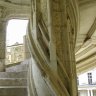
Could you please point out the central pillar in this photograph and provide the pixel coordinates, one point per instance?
(63, 33)
(56, 57)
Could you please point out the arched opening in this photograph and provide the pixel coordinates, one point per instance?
(16, 30)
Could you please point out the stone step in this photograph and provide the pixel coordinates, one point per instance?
(23, 66)
(13, 74)
(13, 82)
(13, 91)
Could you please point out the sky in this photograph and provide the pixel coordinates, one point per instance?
(16, 29)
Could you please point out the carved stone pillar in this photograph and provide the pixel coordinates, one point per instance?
(63, 35)
(59, 71)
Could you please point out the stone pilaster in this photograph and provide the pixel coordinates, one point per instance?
(2, 45)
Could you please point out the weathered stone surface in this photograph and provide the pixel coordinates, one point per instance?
(13, 75)
(13, 91)
(13, 82)
(2, 65)
(44, 11)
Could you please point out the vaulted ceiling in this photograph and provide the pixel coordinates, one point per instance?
(86, 36)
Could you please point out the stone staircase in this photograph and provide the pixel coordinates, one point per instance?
(13, 82)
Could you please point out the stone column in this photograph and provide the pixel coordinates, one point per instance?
(62, 28)
(2, 45)
(63, 36)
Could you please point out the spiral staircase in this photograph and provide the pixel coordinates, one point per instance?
(61, 41)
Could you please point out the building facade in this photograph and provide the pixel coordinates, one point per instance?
(15, 53)
(87, 83)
